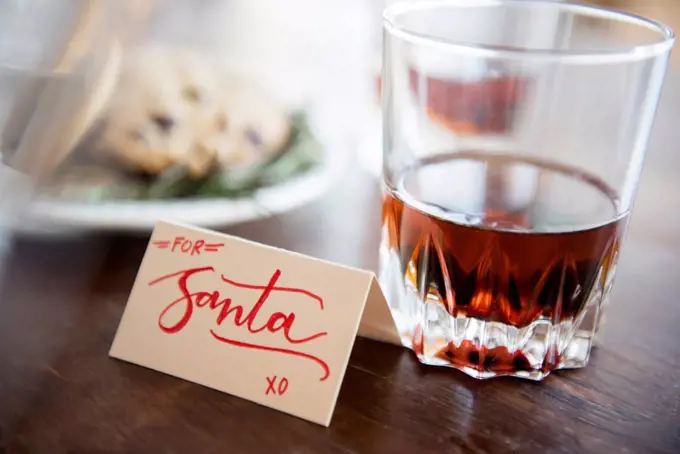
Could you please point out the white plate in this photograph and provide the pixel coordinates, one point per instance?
(48, 216)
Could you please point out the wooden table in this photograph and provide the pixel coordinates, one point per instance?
(61, 301)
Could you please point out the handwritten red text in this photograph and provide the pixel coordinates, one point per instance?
(235, 314)
(274, 389)
(188, 246)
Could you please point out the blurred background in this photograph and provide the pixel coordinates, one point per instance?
(212, 112)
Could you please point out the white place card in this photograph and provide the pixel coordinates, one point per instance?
(260, 323)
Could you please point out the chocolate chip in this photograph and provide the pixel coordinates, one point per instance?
(163, 122)
(449, 354)
(473, 357)
(191, 94)
(253, 137)
(221, 122)
(135, 134)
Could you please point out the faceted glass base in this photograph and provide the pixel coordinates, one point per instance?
(485, 349)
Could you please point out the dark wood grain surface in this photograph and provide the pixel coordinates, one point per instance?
(61, 301)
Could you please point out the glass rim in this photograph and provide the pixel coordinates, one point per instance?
(624, 53)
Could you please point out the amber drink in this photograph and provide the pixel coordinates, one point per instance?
(514, 137)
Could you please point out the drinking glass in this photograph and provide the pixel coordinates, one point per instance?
(514, 137)
(58, 65)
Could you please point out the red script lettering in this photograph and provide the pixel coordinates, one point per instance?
(278, 391)
(276, 322)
